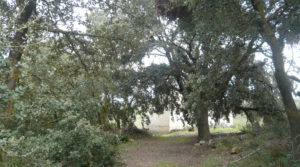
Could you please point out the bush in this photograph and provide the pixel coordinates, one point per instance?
(270, 145)
(75, 142)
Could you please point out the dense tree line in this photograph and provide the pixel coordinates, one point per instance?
(70, 81)
(275, 23)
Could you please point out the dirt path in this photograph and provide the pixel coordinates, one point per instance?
(176, 151)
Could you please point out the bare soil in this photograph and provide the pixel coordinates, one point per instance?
(178, 151)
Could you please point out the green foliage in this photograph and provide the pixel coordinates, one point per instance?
(73, 141)
(3, 86)
(212, 161)
(264, 159)
(11, 161)
(270, 146)
(75, 87)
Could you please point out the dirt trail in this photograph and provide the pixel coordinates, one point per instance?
(164, 152)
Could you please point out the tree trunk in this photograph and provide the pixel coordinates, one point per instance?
(203, 126)
(253, 118)
(19, 39)
(288, 101)
(281, 77)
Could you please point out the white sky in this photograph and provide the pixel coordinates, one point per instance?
(292, 53)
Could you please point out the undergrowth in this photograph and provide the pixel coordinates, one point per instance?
(268, 146)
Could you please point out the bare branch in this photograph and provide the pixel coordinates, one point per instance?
(244, 157)
(294, 78)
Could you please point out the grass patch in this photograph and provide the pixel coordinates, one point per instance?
(127, 145)
(264, 158)
(172, 138)
(165, 164)
(212, 161)
(224, 130)
(271, 142)
(253, 161)
(183, 132)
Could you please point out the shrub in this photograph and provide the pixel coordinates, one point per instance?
(75, 142)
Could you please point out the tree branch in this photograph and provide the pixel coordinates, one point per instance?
(76, 33)
(248, 108)
(294, 78)
(244, 157)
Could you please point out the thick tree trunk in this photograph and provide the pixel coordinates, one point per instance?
(288, 101)
(282, 79)
(253, 118)
(19, 39)
(203, 126)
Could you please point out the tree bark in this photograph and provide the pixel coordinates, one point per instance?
(281, 77)
(202, 125)
(253, 118)
(19, 39)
